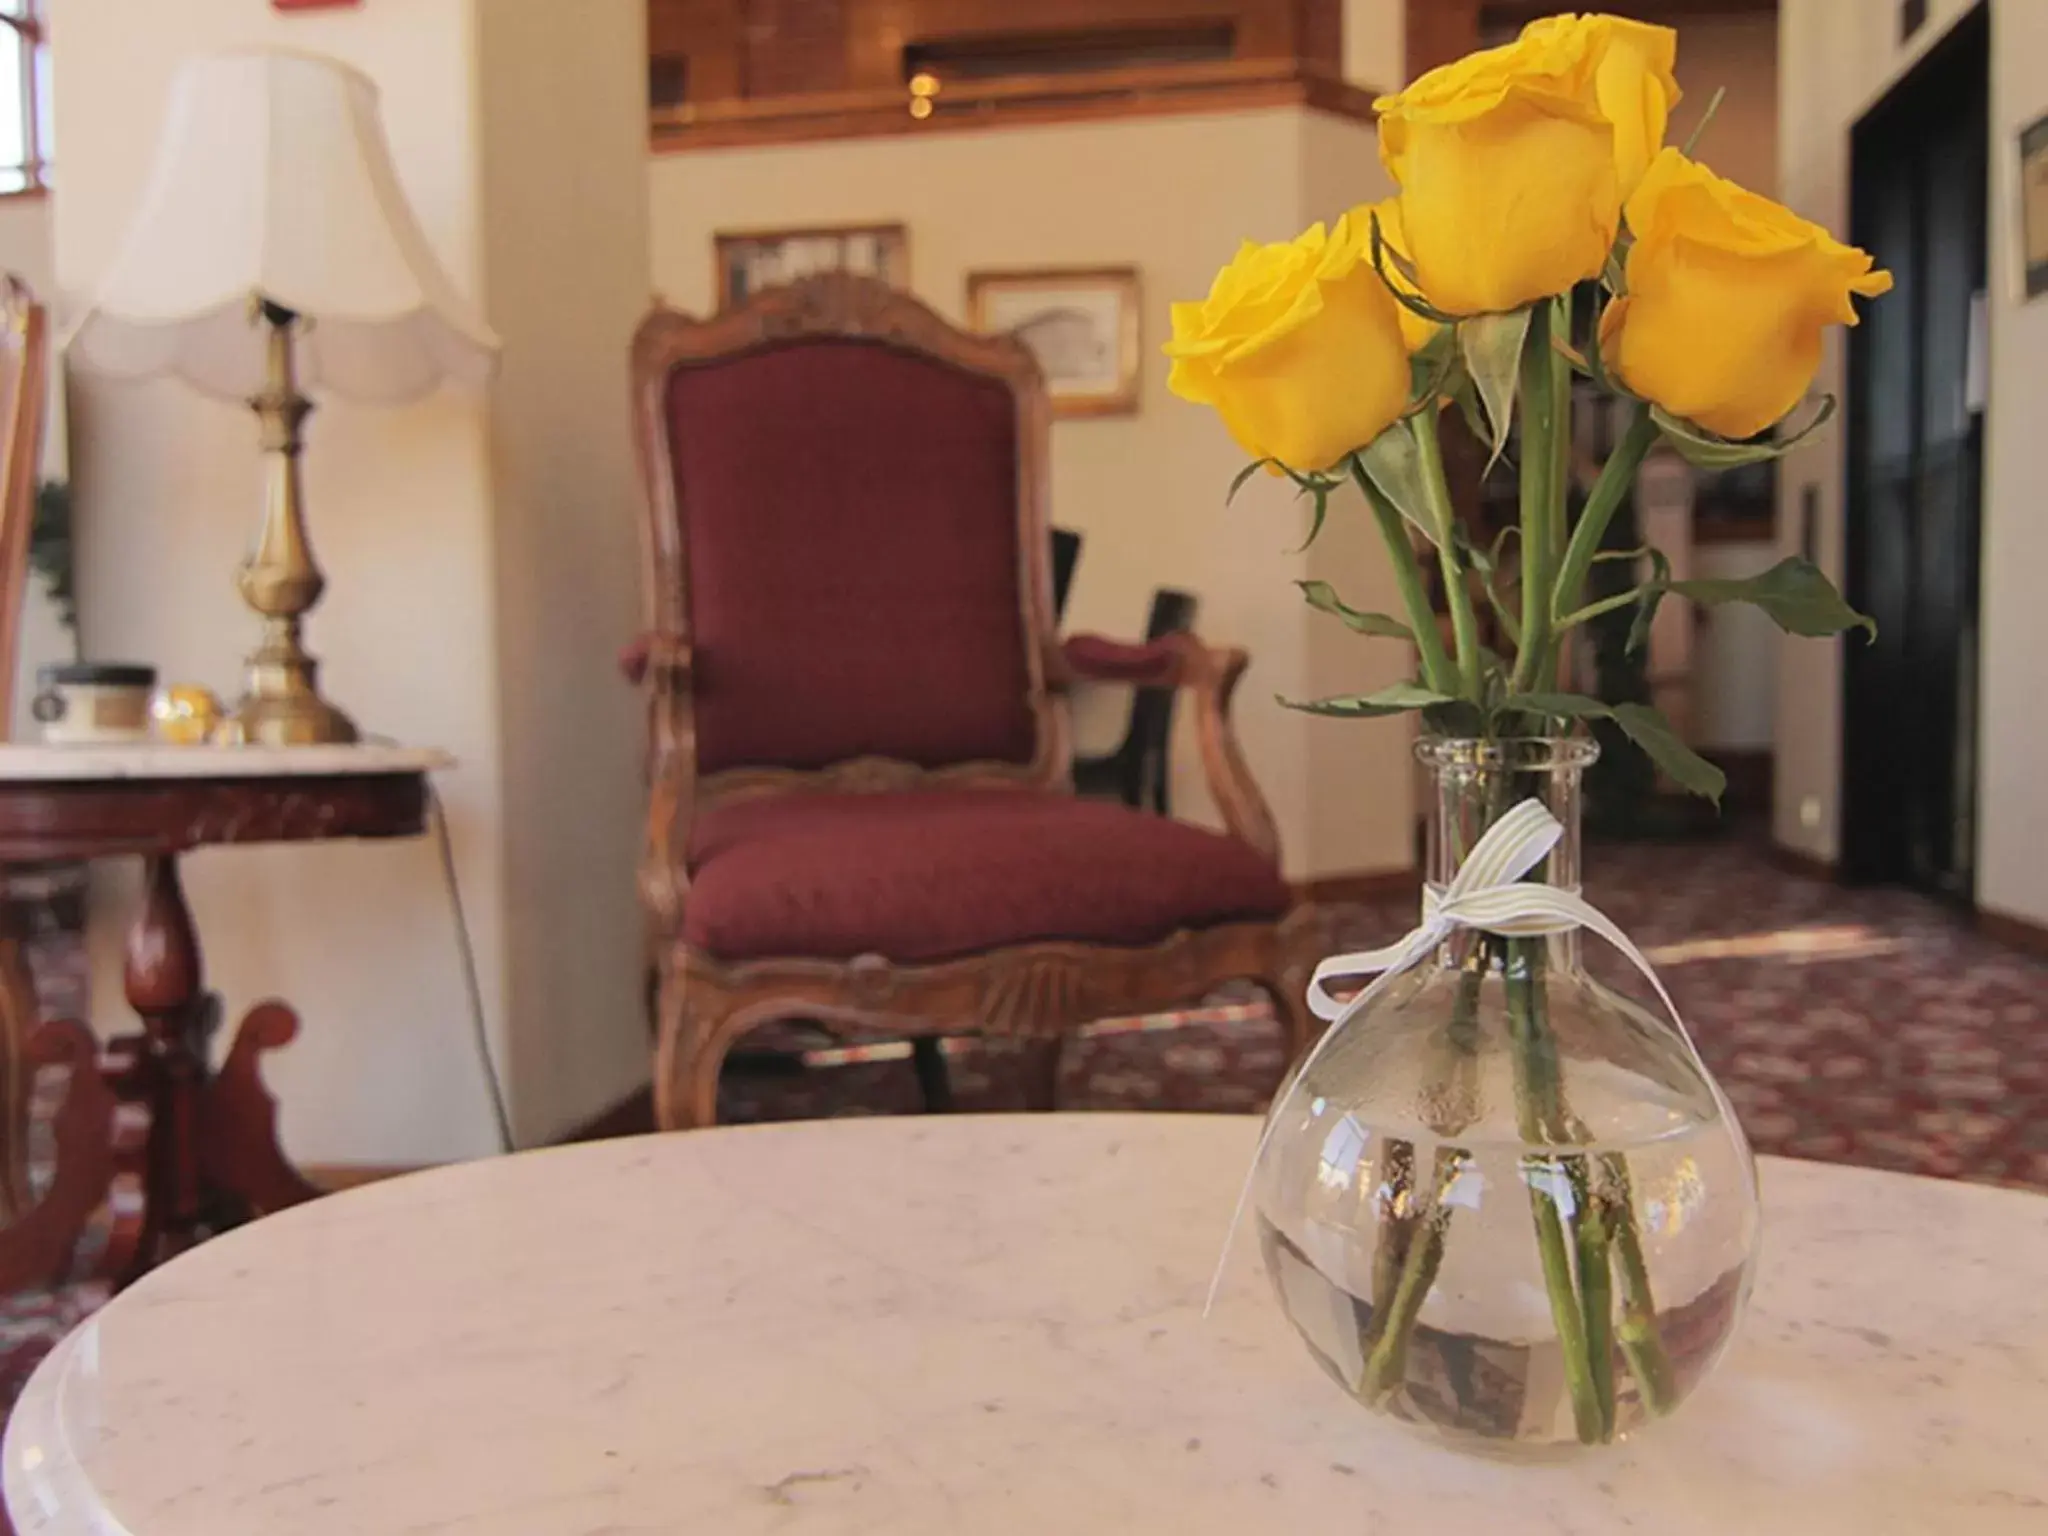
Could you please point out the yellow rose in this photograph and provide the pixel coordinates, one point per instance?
(1416, 331)
(1728, 294)
(1298, 347)
(1633, 83)
(1513, 162)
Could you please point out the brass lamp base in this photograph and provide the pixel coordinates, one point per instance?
(305, 720)
(280, 579)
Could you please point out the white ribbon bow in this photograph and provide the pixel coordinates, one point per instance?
(1487, 895)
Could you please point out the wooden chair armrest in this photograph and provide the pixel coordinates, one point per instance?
(662, 662)
(1210, 676)
(654, 654)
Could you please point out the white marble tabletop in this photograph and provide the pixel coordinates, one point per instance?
(154, 760)
(971, 1326)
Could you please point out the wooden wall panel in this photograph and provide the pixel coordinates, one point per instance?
(1440, 31)
(796, 46)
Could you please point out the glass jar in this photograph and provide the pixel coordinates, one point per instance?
(1507, 1204)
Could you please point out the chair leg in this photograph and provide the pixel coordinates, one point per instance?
(1290, 1006)
(928, 1055)
(1042, 1073)
(691, 1051)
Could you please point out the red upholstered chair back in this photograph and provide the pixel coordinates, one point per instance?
(848, 535)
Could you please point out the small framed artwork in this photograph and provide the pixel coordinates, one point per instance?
(1081, 323)
(2034, 206)
(752, 260)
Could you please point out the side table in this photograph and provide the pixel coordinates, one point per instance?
(173, 1147)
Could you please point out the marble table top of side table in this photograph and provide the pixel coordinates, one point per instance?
(972, 1326)
(154, 760)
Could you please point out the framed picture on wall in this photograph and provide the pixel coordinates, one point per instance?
(1081, 323)
(752, 260)
(2034, 206)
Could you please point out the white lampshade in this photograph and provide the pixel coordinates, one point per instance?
(273, 179)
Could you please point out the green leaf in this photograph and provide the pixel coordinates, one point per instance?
(1491, 346)
(1794, 592)
(1685, 767)
(1237, 481)
(1322, 510)
(1614, 273)
(1702, 448)
(1642, 725)
(1457, 719)
(1408, 291)
(1652, 593)
(1467, 398)
(1562, 706)
(1394, 699)
(1706, 117)
(1323, 598)
(1393, 463)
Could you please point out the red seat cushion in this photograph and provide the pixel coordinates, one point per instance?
(933, 874)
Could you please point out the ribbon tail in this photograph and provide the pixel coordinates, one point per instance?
(1590, 916)
(1411, 949)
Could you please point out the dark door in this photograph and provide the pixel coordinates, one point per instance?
(1915, 445)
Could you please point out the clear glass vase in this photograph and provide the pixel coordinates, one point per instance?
(1508, 1204)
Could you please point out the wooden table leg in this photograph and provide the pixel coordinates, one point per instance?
(213, 1155)
(38, 1247)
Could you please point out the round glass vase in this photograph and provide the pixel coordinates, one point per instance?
(1507, 1204)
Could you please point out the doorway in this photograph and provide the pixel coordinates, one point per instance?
(1915, 437)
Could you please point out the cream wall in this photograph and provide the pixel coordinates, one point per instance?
(1734, 648)
(1837, 59)
(455, 534)
(1174, 195)
(1376, 43)
(565, 282)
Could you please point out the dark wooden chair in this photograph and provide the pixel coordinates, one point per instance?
(860, 810)
(24, 386)
(1066, 554)
(1137, 772)
(38, 1230)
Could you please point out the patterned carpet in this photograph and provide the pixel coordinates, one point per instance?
(1858, 1026)
(1868, 1027)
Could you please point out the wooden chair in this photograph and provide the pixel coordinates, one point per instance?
(1139, 770)
(24, 386)
(861, 810)
(38, 1237)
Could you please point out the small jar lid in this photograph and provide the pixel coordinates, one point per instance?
(108, 674)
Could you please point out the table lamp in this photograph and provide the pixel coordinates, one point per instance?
(274, 252)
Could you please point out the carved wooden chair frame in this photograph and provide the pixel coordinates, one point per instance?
(1038, 991)
(40, 1235)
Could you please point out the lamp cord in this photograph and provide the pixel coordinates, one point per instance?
(480, 1033)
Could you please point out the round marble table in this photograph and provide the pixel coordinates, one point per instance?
(971, 1327)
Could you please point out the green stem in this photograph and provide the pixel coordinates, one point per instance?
(1609, 490)
(1596, 1290)
(1396, 1236)
(1437, 671)
(1396, 1307)
(1543, 411)
(1641, 1341)
(1538, 1112)
(1436, 491)
(1387, 1365)
(1560, 386)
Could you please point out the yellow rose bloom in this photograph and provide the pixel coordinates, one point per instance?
(1298, 347)
(1416, 330)
(1512, 164)
(1728, 294)
(1633, 83)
